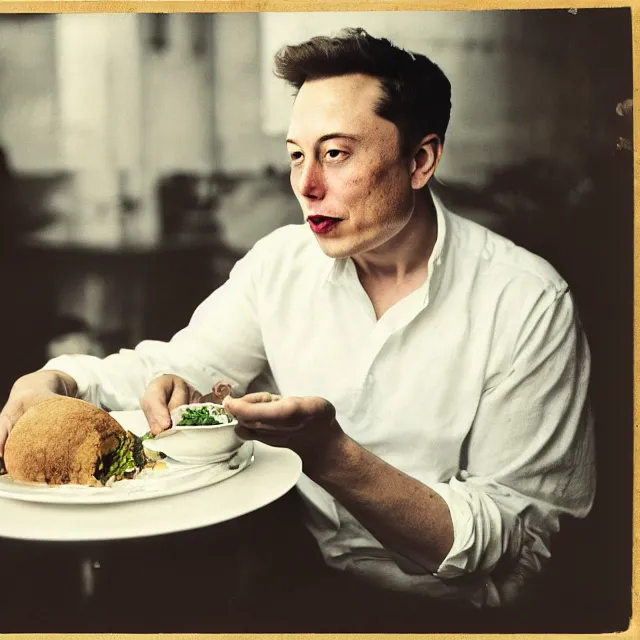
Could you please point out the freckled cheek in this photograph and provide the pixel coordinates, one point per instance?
(367, 196)
(388, 200)
(396, 189)
(381, 190)
(355, 195)
(345, 190)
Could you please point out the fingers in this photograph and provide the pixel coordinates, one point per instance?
(275, 438)
(268, 407)
(29, 390)
(299, 423)
(162, 396)
(260, 397)
(167, 392)
(221, 390)
(272, 428)
(258, 408)
(5, 427)
(261, 407)
(254, 409)
(9, 416)
(218, 393)
(154, 404)
(183, 394)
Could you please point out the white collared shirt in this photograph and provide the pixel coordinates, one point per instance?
(475, 384)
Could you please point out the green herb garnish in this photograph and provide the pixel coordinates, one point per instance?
(203, 416)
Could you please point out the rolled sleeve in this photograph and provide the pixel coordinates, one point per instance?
(530, 456)
(478, 529)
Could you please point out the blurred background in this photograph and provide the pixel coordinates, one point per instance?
(142, 154)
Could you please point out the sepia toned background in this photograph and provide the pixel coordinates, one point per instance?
(142, 154)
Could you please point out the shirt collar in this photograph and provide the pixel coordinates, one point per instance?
(335, 268)
(438, 254)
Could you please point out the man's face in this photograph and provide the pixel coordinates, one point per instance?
(347, 170)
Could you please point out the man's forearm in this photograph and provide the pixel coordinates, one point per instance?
(68, 385)
(403, 514)
(52, 380)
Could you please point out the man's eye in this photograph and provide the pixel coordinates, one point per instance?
(295, 156)
(334, 153)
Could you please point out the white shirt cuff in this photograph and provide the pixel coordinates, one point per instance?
(477, 531)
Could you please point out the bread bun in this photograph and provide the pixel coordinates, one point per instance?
(61, 441)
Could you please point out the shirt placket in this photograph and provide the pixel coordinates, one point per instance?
(358, 366)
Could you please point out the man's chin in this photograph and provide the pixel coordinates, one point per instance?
(333, 248)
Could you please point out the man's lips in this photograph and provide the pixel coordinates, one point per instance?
(322, 224)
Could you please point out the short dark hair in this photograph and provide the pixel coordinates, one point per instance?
(416, 93)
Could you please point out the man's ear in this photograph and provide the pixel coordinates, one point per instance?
(425, 160)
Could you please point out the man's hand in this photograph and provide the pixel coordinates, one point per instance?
(164, 394)
(29, 390)
(307, 425)
(167, 392)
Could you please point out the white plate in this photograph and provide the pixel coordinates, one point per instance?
(274, 472)
(174, 479)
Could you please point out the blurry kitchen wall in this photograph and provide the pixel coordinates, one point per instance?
(122, 100)
(244, 144)
(29, 95)
(127, 122)
(513, 78)
(122, 128)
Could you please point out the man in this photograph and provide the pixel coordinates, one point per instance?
(431, 375)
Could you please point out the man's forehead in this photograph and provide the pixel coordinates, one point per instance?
(337, 104)
(364, 88)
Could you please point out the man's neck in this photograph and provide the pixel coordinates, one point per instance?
(406, 256)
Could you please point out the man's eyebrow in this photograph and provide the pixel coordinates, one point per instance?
(330, 136)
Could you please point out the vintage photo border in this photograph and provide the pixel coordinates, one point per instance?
(214, 6)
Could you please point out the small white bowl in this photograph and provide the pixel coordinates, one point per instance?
(197, 444)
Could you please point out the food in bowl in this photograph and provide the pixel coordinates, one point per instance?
(203, 415)
(69, 441)
(202, 433)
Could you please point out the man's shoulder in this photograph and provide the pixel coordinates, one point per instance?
(500, 258)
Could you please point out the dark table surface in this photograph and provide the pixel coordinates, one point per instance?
(198, 581)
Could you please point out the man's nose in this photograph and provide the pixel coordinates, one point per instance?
(310, 181)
